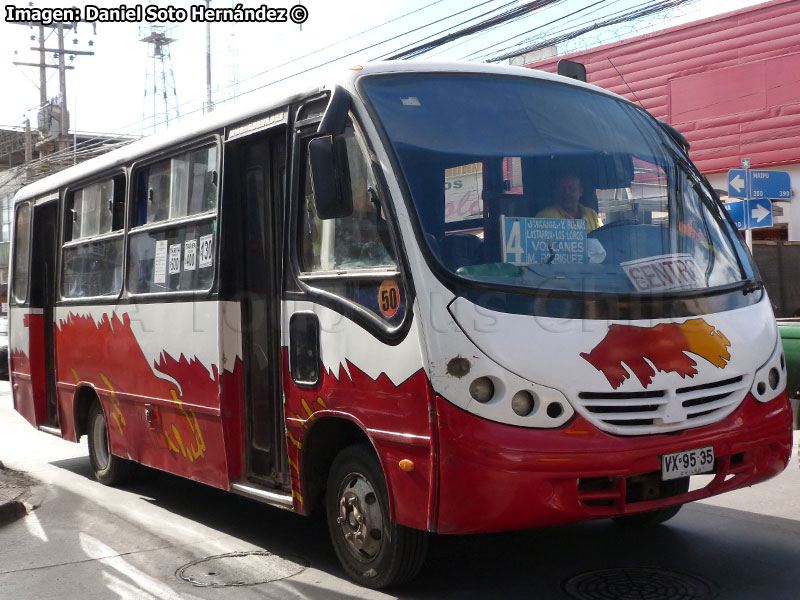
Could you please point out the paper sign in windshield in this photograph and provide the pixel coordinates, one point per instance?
(531, 241)
(664, 273)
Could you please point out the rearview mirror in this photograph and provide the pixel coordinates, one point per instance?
(330, 177)
(676, 135)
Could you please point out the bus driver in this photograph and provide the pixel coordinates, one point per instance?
(568, 192)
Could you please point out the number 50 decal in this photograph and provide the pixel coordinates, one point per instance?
(389, 298)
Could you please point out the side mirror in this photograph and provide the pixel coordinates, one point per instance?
(676, 135)
(330, 177)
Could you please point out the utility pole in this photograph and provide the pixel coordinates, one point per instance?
(46, 108)
(209, 101)
(63, 138)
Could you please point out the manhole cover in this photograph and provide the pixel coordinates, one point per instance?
(240, 568)
(638, 584)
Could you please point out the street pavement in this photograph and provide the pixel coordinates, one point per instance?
(89, 541)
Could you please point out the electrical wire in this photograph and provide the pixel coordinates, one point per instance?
(595, 5)
(622, 17)
(503, 18)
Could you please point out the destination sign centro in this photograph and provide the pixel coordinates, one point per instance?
(664, 273)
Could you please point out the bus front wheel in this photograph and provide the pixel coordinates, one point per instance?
(374, 551)
(108, 469)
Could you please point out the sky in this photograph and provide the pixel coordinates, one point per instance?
(112, 91)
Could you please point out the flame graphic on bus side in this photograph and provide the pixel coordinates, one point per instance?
(665, 347)
(400, 407)
(105, 354)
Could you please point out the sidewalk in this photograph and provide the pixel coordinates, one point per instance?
(15, 492)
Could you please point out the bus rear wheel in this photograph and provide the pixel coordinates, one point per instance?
(108, 469)
(374, 551)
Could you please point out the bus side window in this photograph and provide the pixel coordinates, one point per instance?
(92, 265)
(177, 253)
(358, 241)
(22, 238)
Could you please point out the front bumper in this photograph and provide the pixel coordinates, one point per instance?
(496, 477)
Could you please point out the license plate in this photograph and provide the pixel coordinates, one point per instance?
(689, 462)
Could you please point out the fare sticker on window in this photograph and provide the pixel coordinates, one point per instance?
(664, 273)
(206, 251)
(160, 266)
(190, 255)
(174, 259)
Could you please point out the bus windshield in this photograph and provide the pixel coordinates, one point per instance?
(534, 184)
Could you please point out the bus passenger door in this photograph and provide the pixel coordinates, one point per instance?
(259, 166)
(42, 297)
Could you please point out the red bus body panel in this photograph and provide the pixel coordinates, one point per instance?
(176, 428)
(27, 373)
(497, 477)
(396, 418)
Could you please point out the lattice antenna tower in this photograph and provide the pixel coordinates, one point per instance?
(160, 95)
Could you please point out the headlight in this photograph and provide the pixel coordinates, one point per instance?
(770, 378)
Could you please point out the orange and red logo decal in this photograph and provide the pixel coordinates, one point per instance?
(664, 347)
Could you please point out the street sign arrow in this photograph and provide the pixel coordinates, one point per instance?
(737, 183)
(759, 213)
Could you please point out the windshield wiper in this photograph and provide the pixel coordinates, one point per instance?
(752, 286)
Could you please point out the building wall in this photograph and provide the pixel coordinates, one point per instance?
(730, 84)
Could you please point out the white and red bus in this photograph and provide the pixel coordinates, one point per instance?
(355, 298)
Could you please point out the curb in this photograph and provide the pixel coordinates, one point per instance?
(11, 511)
(16, 490)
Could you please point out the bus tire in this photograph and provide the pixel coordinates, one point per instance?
(108, 469)
(374, 551)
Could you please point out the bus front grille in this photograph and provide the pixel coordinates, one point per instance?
(659, 411)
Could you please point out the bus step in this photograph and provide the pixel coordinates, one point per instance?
(51, 430)
(256, 492)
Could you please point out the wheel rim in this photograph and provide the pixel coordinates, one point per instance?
(360, 517)
(100, 442)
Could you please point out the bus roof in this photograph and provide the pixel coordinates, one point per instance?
(285, 93)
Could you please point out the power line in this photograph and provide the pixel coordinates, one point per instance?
(580, 10)
(388, 54)
(636, 13)
(505, 17)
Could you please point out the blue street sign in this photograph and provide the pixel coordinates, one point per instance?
(736, 211)
(775, 185)
(745, 163)
(750, 214)
(748, 183)
(759, 213)
(737, 183)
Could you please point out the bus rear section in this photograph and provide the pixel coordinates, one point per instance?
(428, 299)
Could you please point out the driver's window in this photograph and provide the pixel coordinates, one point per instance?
(357, 241)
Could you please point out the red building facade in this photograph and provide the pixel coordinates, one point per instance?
(730, 84)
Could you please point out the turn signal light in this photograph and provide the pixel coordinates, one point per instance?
(406, 465)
